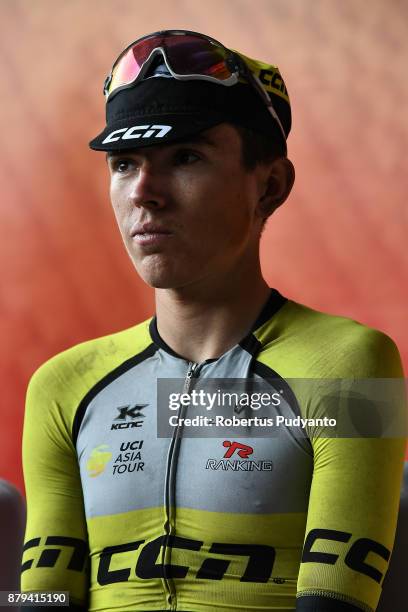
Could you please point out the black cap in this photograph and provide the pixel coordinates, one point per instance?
(159, 110)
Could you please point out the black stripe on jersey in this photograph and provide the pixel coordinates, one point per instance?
(252, 345)
(274, 303)
(158, 340)
(249, 343)
(317, 603)
(268, 374)
(104, 382)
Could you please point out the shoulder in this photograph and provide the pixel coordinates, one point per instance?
(308, 342)
(75, 370)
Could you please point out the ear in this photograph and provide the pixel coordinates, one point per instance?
(279, 183)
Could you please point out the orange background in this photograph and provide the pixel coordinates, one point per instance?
(338, 244)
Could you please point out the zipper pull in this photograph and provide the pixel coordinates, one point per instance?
(192, 368)
(190, 373)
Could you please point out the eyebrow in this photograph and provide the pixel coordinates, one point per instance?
(188, 140)
(196, 139)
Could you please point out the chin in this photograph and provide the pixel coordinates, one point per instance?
(160, 276)
(162, 283)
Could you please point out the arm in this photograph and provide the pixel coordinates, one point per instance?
(353, 509)
(351, 522)
(12, 522)
(55, 553)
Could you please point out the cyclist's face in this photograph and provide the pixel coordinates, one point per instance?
(187, 211)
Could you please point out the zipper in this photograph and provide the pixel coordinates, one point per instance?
(170, 500)
(192, 368)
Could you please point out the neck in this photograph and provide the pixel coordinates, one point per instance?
(204, 320)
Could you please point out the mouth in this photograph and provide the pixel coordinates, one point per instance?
(148, 238)
(149, 234)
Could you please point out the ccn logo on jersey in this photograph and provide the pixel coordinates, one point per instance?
(98, 460)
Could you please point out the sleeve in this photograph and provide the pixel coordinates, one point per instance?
(55, 554)
(353, 505)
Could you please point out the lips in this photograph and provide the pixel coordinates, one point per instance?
(146, 229)
(150, 236)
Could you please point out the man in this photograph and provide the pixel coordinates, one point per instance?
(126, 520)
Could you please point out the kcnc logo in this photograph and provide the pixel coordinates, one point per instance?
(131, 412)
(135, 132)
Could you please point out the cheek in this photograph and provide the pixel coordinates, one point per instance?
(223, 222)
(232, 204)
(118, 200)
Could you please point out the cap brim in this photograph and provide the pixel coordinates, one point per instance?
(151, 130)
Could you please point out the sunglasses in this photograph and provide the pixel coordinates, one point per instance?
(187, 56)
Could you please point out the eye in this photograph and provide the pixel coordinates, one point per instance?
(121, 165)
(187, 157)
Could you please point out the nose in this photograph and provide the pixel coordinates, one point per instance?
(147, 188)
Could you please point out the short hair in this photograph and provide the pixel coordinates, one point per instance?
(258, 148)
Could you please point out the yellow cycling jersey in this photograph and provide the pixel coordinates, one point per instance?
(126, 520)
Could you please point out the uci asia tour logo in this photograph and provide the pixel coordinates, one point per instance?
(129, 459)
(98, 460)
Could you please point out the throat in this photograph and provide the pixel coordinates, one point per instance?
(201, 331)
